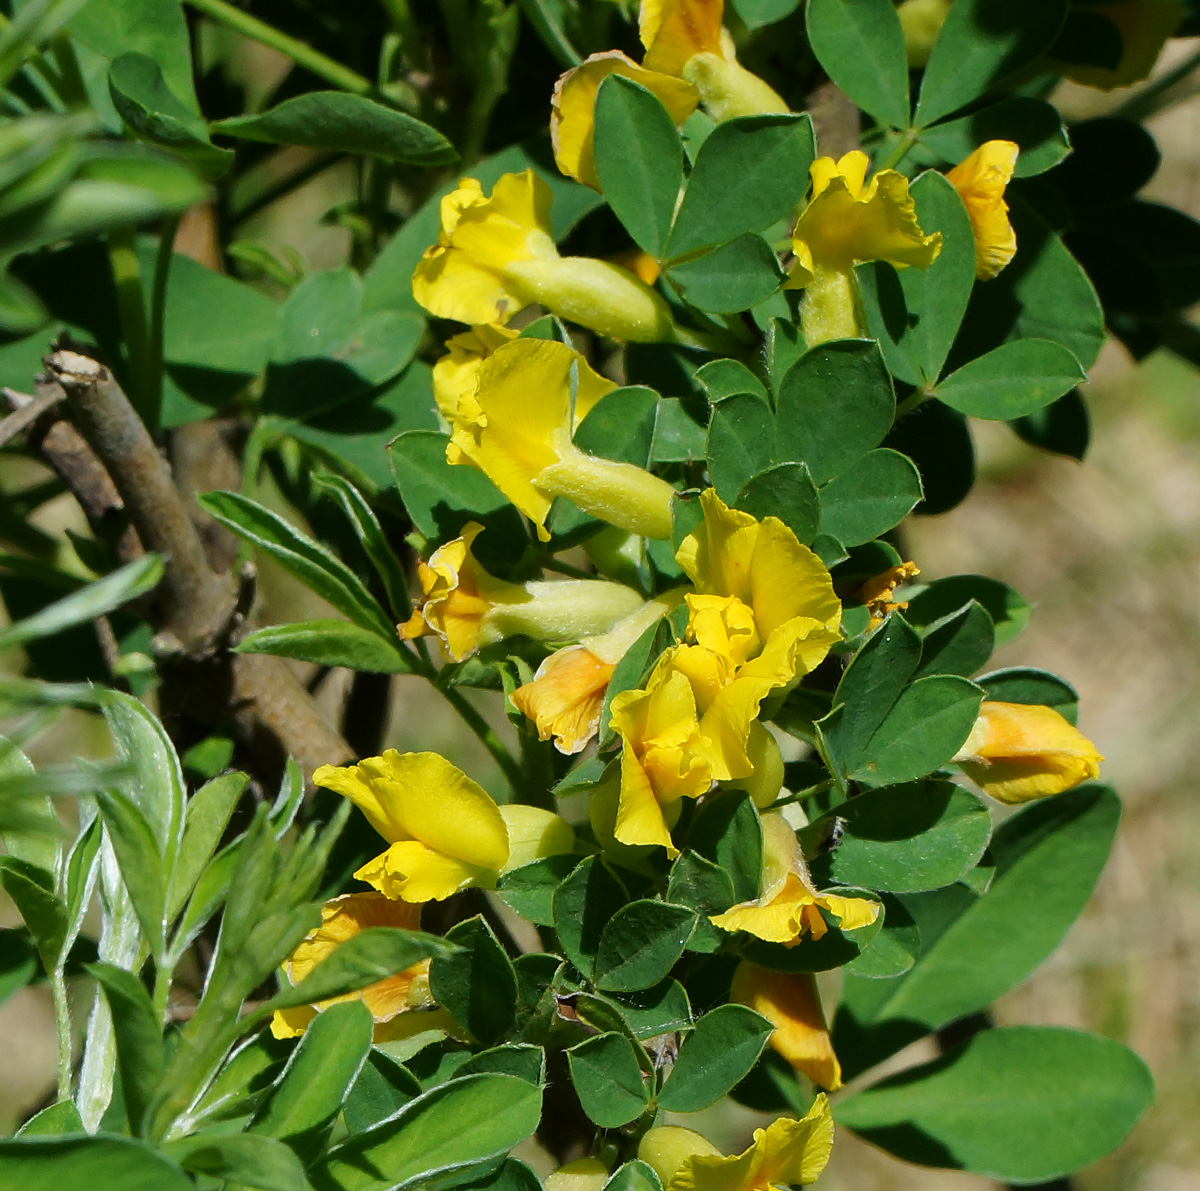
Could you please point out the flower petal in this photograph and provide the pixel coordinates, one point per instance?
(674, 30)
(534, 833)
(411, 872)
(980, 180)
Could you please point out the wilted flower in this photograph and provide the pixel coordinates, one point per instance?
(980, 180)
(789, 904)
(786, 1153)
(876, 593)
(522, 443)
(495, 255)
(846, 222)
(1018, 752)
(444, 830)
(791, 1003)
(468, 608)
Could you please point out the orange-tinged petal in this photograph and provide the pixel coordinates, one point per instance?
(673, 31)
(573, 109)
(566, 696)
(791, 1003)
(980, 180)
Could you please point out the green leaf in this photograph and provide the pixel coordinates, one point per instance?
(1048, 859)
(248, 1159)
(649, 1012)
(639, 160)
(706, 887)
(529, 890)
(726, 831)
(330, 643)
(915, 313)
(1022, 1104)
(925, 727)
(460, 1122)
(382, 1087)
(608, 1080)
(208, 814)
(1033, 124)
(678, 435)
(304, 1103)
(959, 643)
(1063, 426)
(1044, 293)
(32, 890)
(641, 944)
(635, 1175)
(309, 561)
(524, 1061)
(140, 863)
(717, 1054)
(945, 597)
(835, 404)
(724, 378)
(583, 905)
(18, 961)
(629, 672)
(1012, 380)
(151, 110)
(441, 499)
(750, 172)
(370, 956)
(476, 983)
(894, 949)
(1024, 684)
(621, 427)
(140, 1054)
(741, 432)
(372, 539)
(874, 496)
(731, 277)
(344, 123)
(982, 42)
(860, 44)
(785, 491)
(96, 599)
(61, 1117)
(904, 838)
(59, 1163)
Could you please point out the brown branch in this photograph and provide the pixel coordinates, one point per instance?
(27, 410)
(199, 608)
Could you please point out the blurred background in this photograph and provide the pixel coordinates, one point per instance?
(1108, 554)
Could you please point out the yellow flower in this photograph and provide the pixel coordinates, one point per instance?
(661, 761)
(1143, 26)
(1018, 752)
(567, 693)
(791, 1003)
(876, 593)
(848, 221)
(522, 443)
(496, 255)
(456, 374)
(445, 832)
(922, 21)
(467, 608)
(786, 1153)
(788, 903)
(584, 1174)
(685, 38)
(573, 108)
(980, 180)
(342, 919)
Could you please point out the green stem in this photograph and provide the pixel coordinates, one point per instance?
(62, 1018)
(1145, 103)
(911, 402)
(901, 151)
(131, 307)
(300, 53)
(158, 306)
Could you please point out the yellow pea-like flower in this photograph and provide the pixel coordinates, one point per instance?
(980, 180)
(847, 221)
(566, 695)
(388, 999)
(496, 255)
(785, 1153)
(922, 21)
(445, 831)
(573, 108)
(791, 1003)
(467, 608)
(522, 443)
(686, 38)
(1018, 752)
(789, 905)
